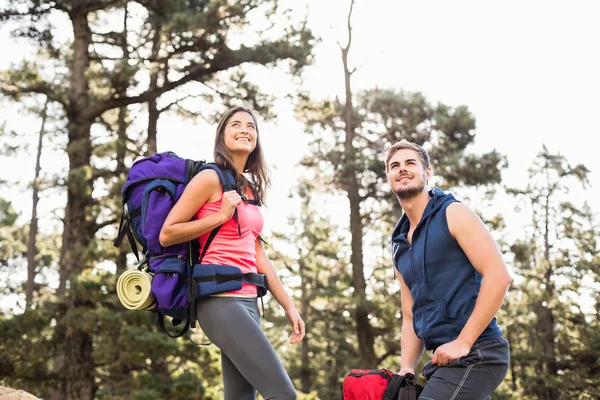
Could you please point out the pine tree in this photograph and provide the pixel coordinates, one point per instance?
(551, 335)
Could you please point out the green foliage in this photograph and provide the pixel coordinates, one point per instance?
(554, 340)
(32, 335)
(316, 269)
(8, 215)
(173, 44)
(550, 332)
(381, 118)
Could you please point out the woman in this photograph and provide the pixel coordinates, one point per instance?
(232, 320)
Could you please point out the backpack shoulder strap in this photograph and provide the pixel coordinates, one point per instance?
(227, 184)
(225, 177)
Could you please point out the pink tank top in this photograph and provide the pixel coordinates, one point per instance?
(228, 247)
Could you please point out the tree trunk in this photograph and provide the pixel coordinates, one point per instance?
(152, 127)
(513, 370)
(33, 226)
(79, 371)
(159, 367)
(153, 113)
(78, 231)
(121, 146)
(305, 370)
(545, 325)
(363, 326)
(121, 170)
(333, 378)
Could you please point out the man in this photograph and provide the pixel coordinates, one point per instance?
(453, 281)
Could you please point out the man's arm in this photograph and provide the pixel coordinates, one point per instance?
(411, 347)
(483, 252)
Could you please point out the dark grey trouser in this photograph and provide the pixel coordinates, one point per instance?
(473, 377)
(248, 360)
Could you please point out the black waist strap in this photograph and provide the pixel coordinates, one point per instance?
(252, 278)
(259, 280)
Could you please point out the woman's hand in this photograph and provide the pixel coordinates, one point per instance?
(297, 323)
(230, 200)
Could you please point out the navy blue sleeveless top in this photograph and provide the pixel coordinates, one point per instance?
(443, 282)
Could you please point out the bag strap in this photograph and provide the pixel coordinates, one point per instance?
(125, 229)
(225, 177)
(384, 373)
(160, 322)
(392, 390)
(249, 277)
(227, 183)
(408, 390)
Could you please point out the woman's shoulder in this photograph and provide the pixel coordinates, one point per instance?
(206, 179)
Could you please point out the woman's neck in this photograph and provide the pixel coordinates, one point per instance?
(239, 162)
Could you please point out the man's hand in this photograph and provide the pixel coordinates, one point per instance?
(449, 352)
(405, 371)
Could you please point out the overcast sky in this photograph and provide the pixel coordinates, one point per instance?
(527, 70)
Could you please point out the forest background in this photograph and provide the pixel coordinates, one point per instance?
(503, 96)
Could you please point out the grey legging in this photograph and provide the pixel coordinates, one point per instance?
(248, 360)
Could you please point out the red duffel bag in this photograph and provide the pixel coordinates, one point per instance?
(379, 384)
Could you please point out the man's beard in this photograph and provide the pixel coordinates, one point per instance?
(408, 192)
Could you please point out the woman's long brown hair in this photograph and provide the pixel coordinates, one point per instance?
(256, 166)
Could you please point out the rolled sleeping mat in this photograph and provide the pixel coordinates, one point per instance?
(133, 289)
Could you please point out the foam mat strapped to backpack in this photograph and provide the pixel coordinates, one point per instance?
(133, 289)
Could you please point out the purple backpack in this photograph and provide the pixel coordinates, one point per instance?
(153, 186)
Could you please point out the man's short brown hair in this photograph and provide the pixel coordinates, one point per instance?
(405, 144)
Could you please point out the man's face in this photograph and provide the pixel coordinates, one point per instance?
(406, 174)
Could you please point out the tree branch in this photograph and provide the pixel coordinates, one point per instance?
(34, 11)
(102, 173)
(173, 103)
(364, 62)
(101, 225)
(38, 88)
(350, 25)
(95, 5)
(228, 58)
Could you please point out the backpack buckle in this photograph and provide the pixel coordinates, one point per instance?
(142, 262)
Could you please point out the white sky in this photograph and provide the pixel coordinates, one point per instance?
(528, 70)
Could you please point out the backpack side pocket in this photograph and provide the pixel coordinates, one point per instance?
(157, 201)
(169, 285)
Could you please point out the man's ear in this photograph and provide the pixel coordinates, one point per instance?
(428, 173)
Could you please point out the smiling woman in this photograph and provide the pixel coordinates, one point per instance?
(231, 320)
(240, 133)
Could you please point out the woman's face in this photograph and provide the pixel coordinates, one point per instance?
(240, 133)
